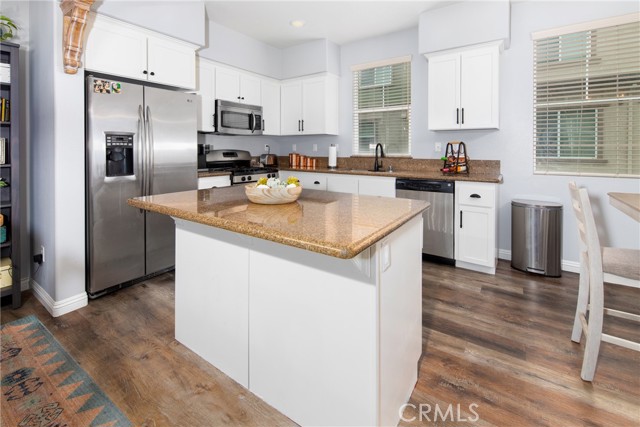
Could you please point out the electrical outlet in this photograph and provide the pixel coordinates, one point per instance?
(315, 148)
(295, 147)
(266, 147)
(42, 252)
(438, 147)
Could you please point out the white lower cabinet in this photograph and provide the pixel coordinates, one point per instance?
(213, 182)
(475, 226)
(377, 186)
(363, 185)
(342, 183)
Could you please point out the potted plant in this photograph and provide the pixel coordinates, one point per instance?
(6, 28)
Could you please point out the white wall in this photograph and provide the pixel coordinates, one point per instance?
(57, 172)
(181, 19)
(316, 56)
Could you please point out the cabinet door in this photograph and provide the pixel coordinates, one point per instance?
(475, 228)
(171, 63)
(479, 88)
(444, 92)
(206, 90)
(116, 49)
(342, 183)
(291, 108)
(250, 90)
(270, 92)
(314, 106)
(377, 186)
(227, 84)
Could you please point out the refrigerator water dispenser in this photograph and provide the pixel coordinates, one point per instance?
(119, 152)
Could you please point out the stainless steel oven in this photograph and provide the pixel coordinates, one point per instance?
(438, 239)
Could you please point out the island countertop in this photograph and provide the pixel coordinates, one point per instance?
(335, 224)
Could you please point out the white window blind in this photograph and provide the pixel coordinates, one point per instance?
(382, 107)
(587, 101)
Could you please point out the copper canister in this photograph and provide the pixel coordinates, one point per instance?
(309, 162)
(314, 163)
(302, 161)
(294, 160)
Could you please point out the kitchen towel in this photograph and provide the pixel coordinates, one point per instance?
(333, 156)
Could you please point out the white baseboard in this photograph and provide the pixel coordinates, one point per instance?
(58, 308)
(570, 266)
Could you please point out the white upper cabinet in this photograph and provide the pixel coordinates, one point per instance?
(206, 90)
(310, 106)
(463, 88)
(235, 86)
(270, 93)
(124, 50)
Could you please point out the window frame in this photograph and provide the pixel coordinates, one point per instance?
(358, 112)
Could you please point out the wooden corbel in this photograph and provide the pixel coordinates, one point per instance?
(75, 18)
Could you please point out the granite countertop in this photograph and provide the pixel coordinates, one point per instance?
(335, 224)
(479, 170)
(410, 174)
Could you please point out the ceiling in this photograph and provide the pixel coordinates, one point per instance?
(339, 21)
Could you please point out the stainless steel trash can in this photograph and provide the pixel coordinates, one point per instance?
(536, 237)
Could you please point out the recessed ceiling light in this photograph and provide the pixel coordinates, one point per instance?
(298, 23)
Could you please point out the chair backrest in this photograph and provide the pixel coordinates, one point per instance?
(587, 229)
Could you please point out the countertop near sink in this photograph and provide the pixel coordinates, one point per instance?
(479, 170)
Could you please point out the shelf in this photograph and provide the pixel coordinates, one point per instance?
(5, 205)
(5, 165)
(5, 244)
(5, 123)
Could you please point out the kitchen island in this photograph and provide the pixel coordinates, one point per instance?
(315, 306)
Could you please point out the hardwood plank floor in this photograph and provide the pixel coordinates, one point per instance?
(497, 352)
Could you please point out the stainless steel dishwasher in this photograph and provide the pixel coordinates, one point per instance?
(437, 240)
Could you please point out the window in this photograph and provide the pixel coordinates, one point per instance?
(382, 107)
(587, 99)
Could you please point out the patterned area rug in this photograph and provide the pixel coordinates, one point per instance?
(42, 386)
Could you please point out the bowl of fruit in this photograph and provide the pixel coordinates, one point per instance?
(272, 191)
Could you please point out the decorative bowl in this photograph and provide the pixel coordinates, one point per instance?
(272, 196)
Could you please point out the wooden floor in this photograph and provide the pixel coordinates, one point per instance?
(496, 352)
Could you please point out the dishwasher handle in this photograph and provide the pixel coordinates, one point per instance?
(433, 186)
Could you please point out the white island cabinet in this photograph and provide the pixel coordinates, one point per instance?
(314, 306)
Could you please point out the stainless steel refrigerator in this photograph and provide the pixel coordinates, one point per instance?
(140, 141)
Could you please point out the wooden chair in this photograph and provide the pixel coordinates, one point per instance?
(597, 266)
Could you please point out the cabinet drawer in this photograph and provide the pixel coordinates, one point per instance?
(476, 194)
(312, 181)
(213, 182)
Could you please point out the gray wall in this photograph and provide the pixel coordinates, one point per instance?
(233, 48)
(184, 19)
(42, 140)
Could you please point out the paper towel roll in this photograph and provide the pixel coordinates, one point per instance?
(333, 156)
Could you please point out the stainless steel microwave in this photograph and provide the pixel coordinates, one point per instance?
(233, 118)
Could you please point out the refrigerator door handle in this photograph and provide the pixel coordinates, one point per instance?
(141, 151)
(149, 153)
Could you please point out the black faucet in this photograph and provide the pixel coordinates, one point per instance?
(377, 166)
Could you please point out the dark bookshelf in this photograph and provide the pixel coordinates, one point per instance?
(10, 171)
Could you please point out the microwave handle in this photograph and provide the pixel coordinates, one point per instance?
(252, 123)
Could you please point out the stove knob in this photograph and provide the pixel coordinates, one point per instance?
(243, 179)
(249, 178)
(269, 175)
